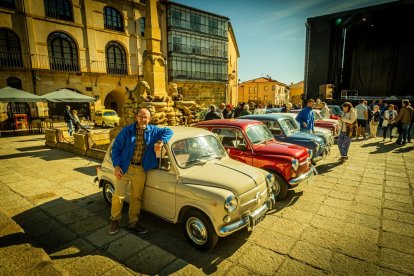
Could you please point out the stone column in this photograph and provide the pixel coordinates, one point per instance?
(154, 62)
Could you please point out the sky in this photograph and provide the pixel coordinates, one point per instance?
(271, 34)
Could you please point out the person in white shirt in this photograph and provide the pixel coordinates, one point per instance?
(362, 117)
(347, 122)
(389, 115)
(325, 111)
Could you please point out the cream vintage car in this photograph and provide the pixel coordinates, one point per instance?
(199, 185)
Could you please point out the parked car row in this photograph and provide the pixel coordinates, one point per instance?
(224, 175)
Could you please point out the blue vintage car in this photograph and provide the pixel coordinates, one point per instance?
(285, 129)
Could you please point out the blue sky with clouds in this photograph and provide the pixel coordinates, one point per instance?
(271, 33)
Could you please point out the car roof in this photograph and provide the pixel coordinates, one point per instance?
(269, 116)
(242, 123)
(183, 132)
(106, 110)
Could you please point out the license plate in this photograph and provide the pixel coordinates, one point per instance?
(253, 221)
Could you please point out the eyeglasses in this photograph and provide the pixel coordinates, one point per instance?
(142, 117)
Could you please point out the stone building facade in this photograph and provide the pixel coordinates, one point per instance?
(263, 91)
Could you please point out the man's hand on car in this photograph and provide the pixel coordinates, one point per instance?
(118, 172)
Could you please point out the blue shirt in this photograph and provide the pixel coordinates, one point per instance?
(124, 146)
(306, 115)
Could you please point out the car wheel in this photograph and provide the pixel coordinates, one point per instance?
(108, 190)
(199, 231)
(94, 123)
(281, 187)
(103, 124)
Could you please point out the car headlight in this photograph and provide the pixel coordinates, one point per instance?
(270, 180)
(295, 164)
(310, 152)
(230, 204)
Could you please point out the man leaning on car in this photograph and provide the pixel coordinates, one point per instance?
(133, 154)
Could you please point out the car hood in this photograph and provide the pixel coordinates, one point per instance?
(226, 174)
(305, 137)
(279, 148)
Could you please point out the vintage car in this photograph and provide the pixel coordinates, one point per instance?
(330, 124)
(106, 117)
(336, 111)
(252, 143)
(198, 184)
(325, 134)
(284, 128)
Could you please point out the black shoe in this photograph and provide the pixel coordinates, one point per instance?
(137, 229)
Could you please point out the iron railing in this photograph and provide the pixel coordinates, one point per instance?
(59, 64)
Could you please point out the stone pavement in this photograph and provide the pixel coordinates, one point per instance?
(351, 219)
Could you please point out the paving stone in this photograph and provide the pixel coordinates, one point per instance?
(342, 195)
(297, 215)
(398, 261)
(333, 212)
(402, 229)
(293, 267)
(339, 203)
(289, 227)
(377, 202)
(367, 184)
(364, 220)
(398, 197)
(127, 246)
(400, 206)
(238, 270)
(345, 189)
(69, 252)
(90, 265)
(400, 191)
(311, 254)
(398, 216)
(305, 205)
(180, 267)
(366, 209)
(41, 228)
(328, 223)
(276, 242)
(320, 237)
(118, 270)
(150, 260)
(74, 215)
(61, 208)
(370, 193)
(56, 239)
(345, 265)
(261, 261)
(87, 225)
(357, 247)
(397, 184)
(360, 232)
(400, 243)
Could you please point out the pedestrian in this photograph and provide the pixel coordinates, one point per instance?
(403, 120)
(373, 123)
(220, 109)
(389, 115)
(133, 155)
(383, 107)
(228, 113)
(259, 110)
(347, 130)
(372, 105)
(67, 116)
(325, 111)
(76, 121)
(245, 110)
(212, 114)
(306, 118)
(239, 109)
(410, 128)
(362, 117)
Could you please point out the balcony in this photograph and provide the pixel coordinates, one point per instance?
(10, 61)
(183, 48)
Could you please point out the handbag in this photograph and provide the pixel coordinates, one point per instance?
(351, 130)
(385, 123)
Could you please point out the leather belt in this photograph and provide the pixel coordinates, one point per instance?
(135, 163)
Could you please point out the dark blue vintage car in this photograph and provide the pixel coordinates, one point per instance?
(285, 129)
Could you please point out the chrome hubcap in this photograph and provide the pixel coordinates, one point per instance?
(277, 188)
(109, 191)
(196, 230)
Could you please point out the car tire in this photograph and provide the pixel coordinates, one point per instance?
(282, 187)
(94, 123)
(107, 191)
(199, 230)
(103, 124)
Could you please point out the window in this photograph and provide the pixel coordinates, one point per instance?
(63, 53)
(60, 9)
(14, 82)
(8, 4)
(10, 52)
(229, 137)
(273, 87)
(115, 59)
(265, 88)
(250, 90)
(195, 68)
(142, 25)
(113, 19)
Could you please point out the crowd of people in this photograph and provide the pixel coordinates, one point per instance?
(72, 121)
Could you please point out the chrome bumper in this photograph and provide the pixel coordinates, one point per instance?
(246, 221)
(297, 180)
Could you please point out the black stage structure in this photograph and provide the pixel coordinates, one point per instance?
(369, 51)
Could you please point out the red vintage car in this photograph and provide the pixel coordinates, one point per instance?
(330, 124)
(251, 142)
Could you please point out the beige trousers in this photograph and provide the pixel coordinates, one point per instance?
(137, 177)
(373, 127)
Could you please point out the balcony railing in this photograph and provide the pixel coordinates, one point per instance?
(196, 75)
(11, 60)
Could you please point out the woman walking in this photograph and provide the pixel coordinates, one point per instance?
(348, 130)
(373, 123)
(389, 115)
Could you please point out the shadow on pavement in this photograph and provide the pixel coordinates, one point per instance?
(59, 224)
(91, 170)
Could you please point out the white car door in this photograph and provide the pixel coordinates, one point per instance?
(159, 192)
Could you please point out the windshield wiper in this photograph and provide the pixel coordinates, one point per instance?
(196, 162)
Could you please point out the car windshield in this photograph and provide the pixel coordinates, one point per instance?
(259, 134)
(109, 113)
(336, 110)
(318, 116)
(289, 125)
(197, 150)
